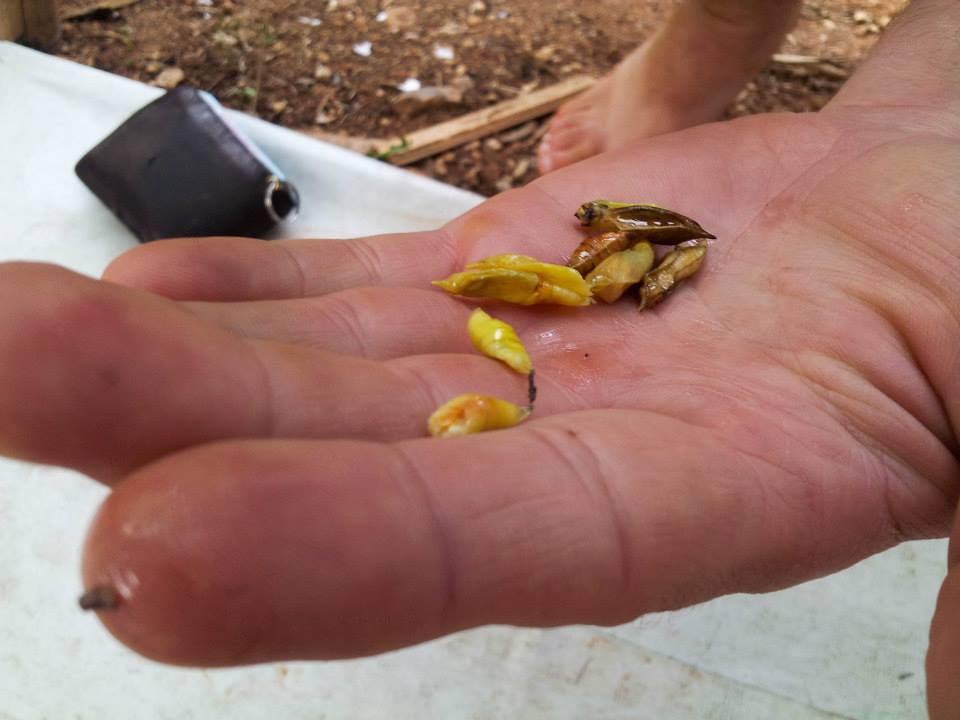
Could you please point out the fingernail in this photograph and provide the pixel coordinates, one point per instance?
(100, 597)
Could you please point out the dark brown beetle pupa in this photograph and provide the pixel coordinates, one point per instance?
(651, 222)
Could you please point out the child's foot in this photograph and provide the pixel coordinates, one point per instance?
(686, 74)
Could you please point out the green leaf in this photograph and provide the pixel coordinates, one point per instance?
(390, 151)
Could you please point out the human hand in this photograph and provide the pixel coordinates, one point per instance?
(786, 413)
(943, 656)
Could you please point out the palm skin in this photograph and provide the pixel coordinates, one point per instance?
(784, 414)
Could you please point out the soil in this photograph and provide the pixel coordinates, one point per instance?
(335, 65)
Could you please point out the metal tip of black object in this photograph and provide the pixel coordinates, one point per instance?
(286, 200)
(531, 388)
(282, 201)
(100, 597)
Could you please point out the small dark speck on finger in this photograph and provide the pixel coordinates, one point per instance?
(100, 597)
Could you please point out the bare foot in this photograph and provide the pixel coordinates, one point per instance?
(686, 74)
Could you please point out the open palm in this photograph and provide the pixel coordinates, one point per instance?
(784, 414)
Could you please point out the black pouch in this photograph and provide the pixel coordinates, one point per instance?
(175, 168)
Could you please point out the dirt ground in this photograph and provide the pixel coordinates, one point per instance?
(337, 65)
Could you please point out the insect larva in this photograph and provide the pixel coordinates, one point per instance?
(597, 248)
(472, 413)
(652, 222)
(612, 277)
(676, 265)
(496, 339)
(519, 279)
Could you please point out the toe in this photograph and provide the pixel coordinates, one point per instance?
(570, 114)
(566, 145)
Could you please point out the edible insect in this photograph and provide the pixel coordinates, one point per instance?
(612, 277)
(603, 266)
(622, 226)
(596, 248)
(676, 265)
(651, 222)
(472, 413)
(519, 279)
(496, 339)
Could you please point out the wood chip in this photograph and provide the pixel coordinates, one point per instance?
(78, 13)
(790, 59)
(831, 70)
(519, 133)
(521, 168)
(398, 18)
(169, 78)
(409, 104)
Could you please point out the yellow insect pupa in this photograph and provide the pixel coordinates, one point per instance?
(611, 278)
(496, 339)
(519, 279)
(473, 413)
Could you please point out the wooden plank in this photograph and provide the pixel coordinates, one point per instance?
(446, 135)
(443, 136)
(11, 19)
(41, 26)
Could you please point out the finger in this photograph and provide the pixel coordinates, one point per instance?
(230, 269)
(378, 323)
(103, 379)
(536, 220)
(915, 64)
(381, 323)
(259, 550)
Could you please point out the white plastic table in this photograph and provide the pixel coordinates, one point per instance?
(847, 646)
